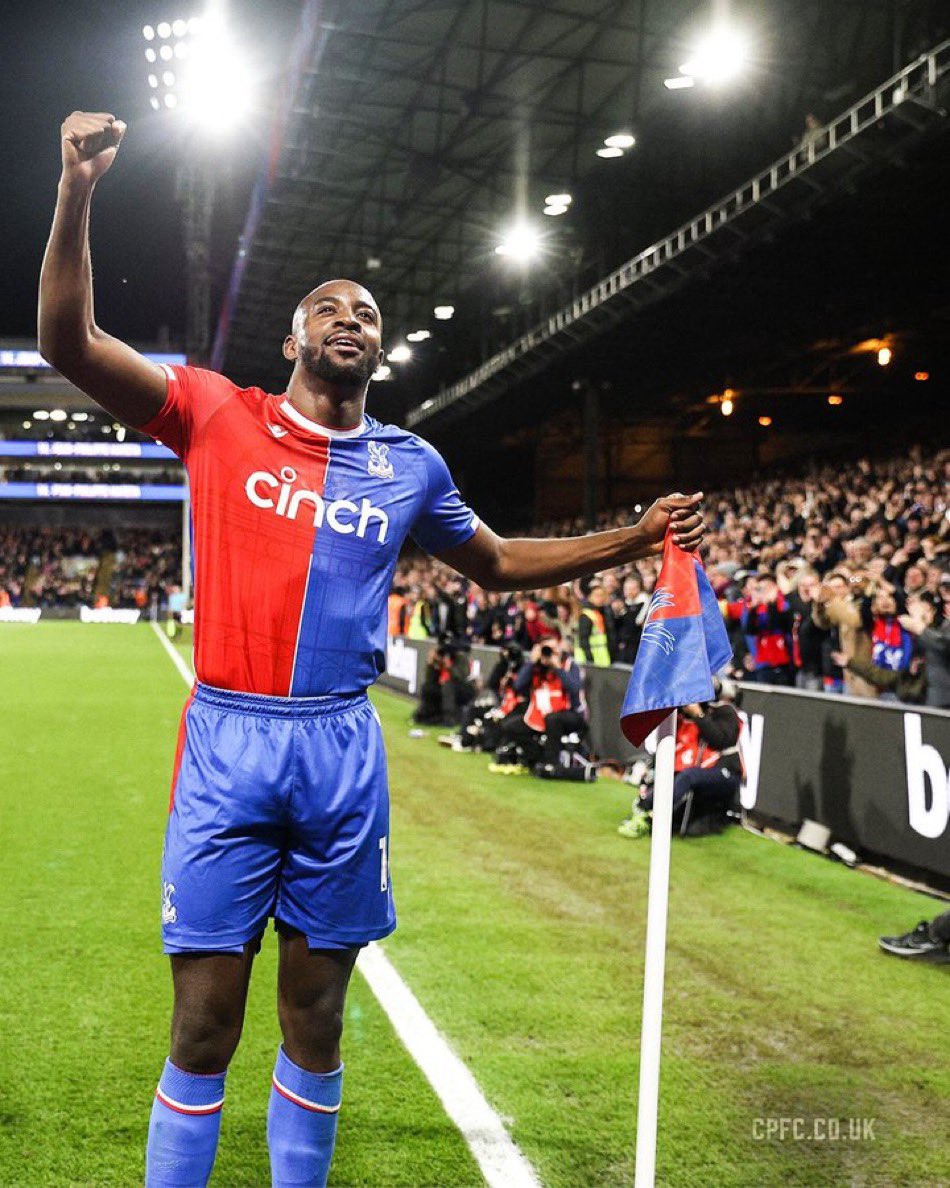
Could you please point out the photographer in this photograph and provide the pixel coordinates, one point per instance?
(707, 764)
(551, 683)
(480, 728)
(446, 687)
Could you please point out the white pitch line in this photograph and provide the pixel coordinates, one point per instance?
(186, 674)
(500, 1160)
(496, 1153)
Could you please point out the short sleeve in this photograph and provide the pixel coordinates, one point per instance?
(444, 520)
(193, 395)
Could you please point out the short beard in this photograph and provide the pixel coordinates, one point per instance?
(356, 374)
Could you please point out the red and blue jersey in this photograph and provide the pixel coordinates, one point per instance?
(297, 529)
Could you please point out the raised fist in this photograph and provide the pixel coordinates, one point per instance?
(90, 141)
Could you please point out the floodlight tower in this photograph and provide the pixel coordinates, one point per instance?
(195, 75)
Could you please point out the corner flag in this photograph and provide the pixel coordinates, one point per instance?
(684, 642)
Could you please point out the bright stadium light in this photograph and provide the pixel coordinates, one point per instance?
(148, 33)
(418, 335)
(553, 209)
(443, 313)
(209, 85)
(58, 414)
(384, 372)
(884, 356)
(718, 58)
(41, 415)
(150, 55)
(400, 354)
(558, 200)
(610, 151)
(521, 242)
(620, 140)
(679, 83)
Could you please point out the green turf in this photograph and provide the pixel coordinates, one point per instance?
(522, 919)
(90, 717)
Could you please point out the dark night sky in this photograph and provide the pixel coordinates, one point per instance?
(60, 57)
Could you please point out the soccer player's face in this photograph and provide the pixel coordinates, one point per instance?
(338, 332)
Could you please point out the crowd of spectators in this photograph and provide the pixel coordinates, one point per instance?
(837, 581)
(54, 566)
(101, 472)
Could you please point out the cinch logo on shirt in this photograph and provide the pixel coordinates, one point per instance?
(340, 515)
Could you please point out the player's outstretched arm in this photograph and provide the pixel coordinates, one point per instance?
(500, 564)
(125, 383)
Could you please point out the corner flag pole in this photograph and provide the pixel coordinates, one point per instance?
(654, 967)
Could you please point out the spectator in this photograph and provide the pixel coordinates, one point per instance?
(596, 634)
(926, 623)
(767, 626)
(630, 618)
(838, 606)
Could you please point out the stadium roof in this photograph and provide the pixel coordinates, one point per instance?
(414, 131)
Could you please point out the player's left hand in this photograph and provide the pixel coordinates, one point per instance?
(682, 514)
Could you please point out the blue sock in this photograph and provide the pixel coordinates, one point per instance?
(301, 1123)
(183, 1131)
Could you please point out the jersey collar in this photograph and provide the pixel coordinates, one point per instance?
(295, 415)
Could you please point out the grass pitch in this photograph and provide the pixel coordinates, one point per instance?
(522, 920)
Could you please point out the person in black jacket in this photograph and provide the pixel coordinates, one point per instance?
(711, 771)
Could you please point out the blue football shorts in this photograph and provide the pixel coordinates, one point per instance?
(280, 807)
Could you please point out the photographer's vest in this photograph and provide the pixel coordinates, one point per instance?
(417, 628)
(597, 640)
(547, 697)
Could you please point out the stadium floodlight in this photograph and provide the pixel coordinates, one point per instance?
(80, 416)
(521, 242)
(765, 422)
(835, 400)
(384, 372)
(679, 82)
(555, 209)
(399, 354)
(57, 414)
(418, 335)
(443, 313)
(210, 83)
(718, 58)
(620, 140)
(558, 200)
(150, 55)
(155, 103)
(41, 415)
(884, 356)
(148, 33)
(610, 151)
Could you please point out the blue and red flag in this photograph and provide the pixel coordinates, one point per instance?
(684, 642)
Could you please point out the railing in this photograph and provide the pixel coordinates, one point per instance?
(915, 84)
